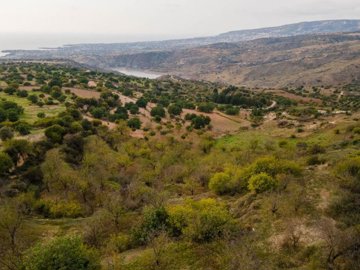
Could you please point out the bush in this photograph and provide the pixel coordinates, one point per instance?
(6, 133)
(232, 111)
(134, 123)
(221, 183)
(158, 111)
(98, 112)
(13, 115)
(22, 93)
(154, 221)
(23, 128)
(120, 242)
(272, 167)
(206, 107)
(55, 133)
(349, 168)
(201, 221)
(142, 102)
(262, 182)
(317, 149)
(17, 149)
(64, 209)
(75, 127)
(65, 253)
(10, 90)
(6, 163)
(198, 121)
(33, 99)
(314, 160)
(3, 115)
(174, 109)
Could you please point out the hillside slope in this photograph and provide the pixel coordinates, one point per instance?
(274, 62)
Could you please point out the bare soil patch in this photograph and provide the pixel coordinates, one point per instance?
(83, 93)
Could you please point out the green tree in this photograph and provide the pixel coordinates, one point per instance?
(158, 111)
(142, 102)
(134, 123)
(174, 109)
(98, 112)
(55, 133)
(200, 121)
(63, 253)
(206, 107)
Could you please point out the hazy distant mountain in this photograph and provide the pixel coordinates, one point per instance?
(317, 27)
(321, 52)
(303, 28)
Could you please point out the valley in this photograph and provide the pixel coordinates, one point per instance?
(135, 165)
(235, 151)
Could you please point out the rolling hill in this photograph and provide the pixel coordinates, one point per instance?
(308, 53)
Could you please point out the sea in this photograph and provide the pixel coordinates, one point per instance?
(139, 73)
(34, 41)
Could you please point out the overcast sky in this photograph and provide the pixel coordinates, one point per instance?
(164, 18)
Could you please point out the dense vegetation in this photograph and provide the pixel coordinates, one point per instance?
(85, 195)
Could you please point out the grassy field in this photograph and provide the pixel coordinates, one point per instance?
(30, 110)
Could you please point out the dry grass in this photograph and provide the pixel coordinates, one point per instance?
(83, 93)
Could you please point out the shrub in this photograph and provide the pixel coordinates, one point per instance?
(33, 98)
(13, 115)
(17, 149)
(142, 102)
(3, 115)
(262, 182)
(134, 123)
(221, 183)
(316, 149)
(55, 133)
(75, 127)
(120, 242)
(120, 114)
(349, 167)
(65, 253)
(272, 167)
(158, 111)
(22, 93)
(23, 128)
(206, 107)
(201, 221)
(232, 110)
(6, 163)
(190, 116)
(154, 221)
(6, 133)
(314, 160)
(174, 109)
(98, 112)
(64, 209)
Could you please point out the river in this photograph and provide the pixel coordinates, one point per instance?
(138, 73)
